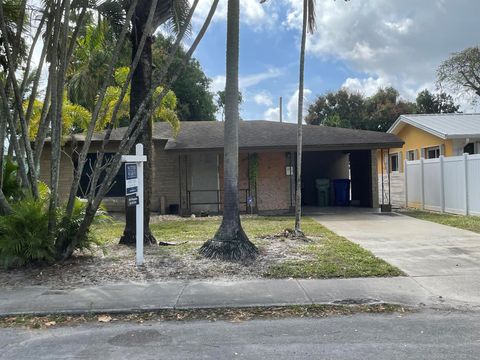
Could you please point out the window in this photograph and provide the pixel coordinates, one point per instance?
(394, 162)
(469, 149)
(411, 155)
(118, 186)
(432, 152)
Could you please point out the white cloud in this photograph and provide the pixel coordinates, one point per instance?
(272, 114)
(291, 113)
(254, 79)
(218, 82)
(367, 87)
(263, 98)
(252, 13)
(395, 42)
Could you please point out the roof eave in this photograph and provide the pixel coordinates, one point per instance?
(463, 136)
(288, 148)
(407, 120)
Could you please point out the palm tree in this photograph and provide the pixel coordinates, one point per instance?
(175, 12)
(308, 24)
(230, 242)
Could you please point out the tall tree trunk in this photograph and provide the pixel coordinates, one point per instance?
(130, 137)
(230, 242)
(140, 87)
(298, 195)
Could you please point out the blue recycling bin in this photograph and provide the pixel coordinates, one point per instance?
(341, 188)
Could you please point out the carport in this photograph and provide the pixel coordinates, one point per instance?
(356, 166)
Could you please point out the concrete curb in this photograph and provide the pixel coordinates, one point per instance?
(171, 295)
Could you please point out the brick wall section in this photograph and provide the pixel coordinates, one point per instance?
(273, 194)
(272, 183)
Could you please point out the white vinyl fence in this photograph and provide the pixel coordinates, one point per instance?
(446, 184)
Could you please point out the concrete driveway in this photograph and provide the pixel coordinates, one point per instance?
(440, 258)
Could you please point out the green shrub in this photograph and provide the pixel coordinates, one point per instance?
(24, 234)
(67, 228)
(11, 187)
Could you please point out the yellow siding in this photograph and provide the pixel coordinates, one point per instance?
(416, 139)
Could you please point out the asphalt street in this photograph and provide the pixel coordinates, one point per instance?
(423, 335)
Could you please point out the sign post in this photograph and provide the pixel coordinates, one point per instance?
(134, 194)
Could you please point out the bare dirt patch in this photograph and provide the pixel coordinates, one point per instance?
(117, 263)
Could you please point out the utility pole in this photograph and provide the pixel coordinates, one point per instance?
(281, 109)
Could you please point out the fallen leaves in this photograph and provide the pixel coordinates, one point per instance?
(104, 318)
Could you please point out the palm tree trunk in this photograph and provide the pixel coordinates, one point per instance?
(230, 242)
(298, 195)
(140, 87)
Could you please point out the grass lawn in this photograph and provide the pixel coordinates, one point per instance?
(471, 223)
(327, 256)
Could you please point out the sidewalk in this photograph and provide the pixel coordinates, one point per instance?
(130, 297)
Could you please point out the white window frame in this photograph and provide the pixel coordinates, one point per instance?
(415, 154)
(390, 162)
(430, 148)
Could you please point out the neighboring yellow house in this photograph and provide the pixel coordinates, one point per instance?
(429, 136)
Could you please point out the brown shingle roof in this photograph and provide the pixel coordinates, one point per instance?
(268, 135)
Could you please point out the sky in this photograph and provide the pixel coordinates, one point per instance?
(360, 45)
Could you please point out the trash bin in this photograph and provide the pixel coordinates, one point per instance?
(323, 191)
(341, 189)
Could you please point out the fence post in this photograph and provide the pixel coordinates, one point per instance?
(405, 173)
(422, 182)
(442, 185)
(465, 165)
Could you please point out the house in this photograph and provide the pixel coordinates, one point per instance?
(188, 168)
(431, 135)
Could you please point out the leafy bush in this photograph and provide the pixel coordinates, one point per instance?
(68, 227)
(11, 187)
(24, 232)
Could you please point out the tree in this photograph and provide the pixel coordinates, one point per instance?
(339, 109)
(195, 101)
(355, 111)
(88, 69)
(221, 101)
(308, 24)
(461, 72)
(230, 241)
(60, 24)
(144, 23)
(439, 103)
(384, 107)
